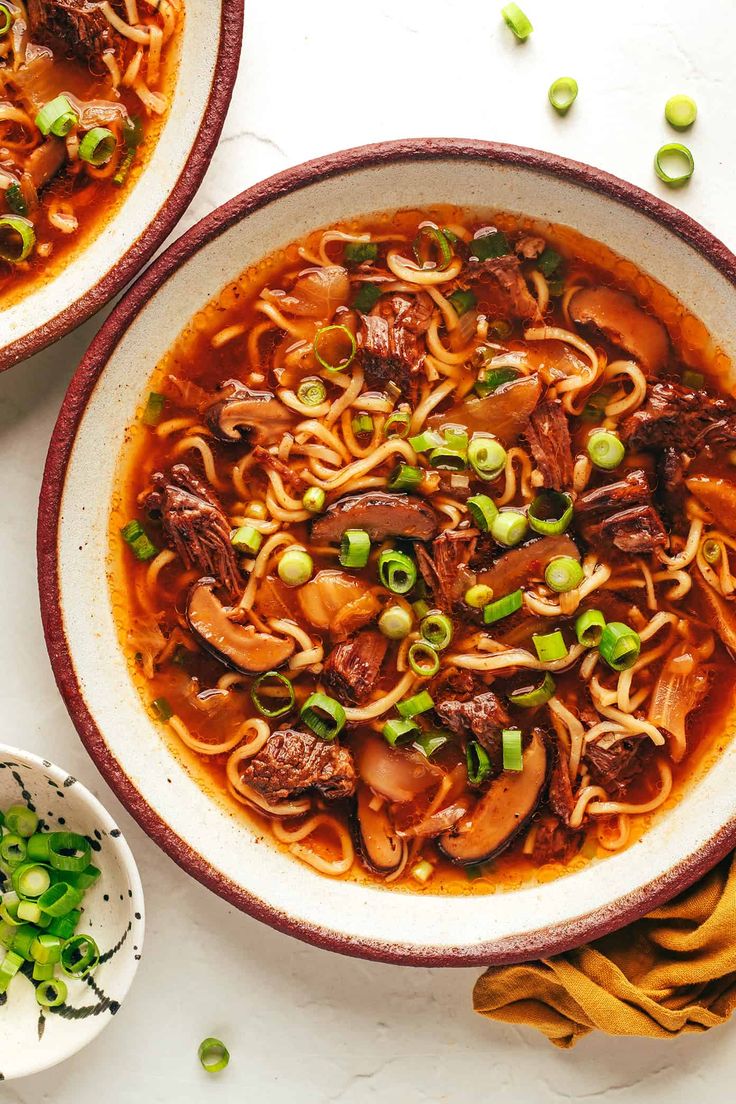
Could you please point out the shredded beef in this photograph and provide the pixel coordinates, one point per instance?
(671, 485)
(288, 476)
(680, 418)
(529, 248)
(454, 683)
(353, 667)
(292, 762)
(505, 273)
(555, 842)
(195, 525)
(561, 800)
(548, 435)
(616, 767)
(483, 717)
(79, 24)
(632, 491)
(443, 570)
(636, 530)
(389, 340)
(621, 514)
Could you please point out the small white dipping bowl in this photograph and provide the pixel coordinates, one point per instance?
(31, 1038)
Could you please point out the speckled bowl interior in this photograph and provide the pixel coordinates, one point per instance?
(217, 846)
(32, 1039)
(206, 75)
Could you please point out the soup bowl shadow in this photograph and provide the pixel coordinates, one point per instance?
(209, 840)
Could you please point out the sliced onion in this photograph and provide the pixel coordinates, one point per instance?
(317, 293)
(396, 773)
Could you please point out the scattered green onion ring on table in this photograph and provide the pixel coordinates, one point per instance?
(680, 112)
(517, 21)
(681, 160)
(213, 1055)
(562, 94)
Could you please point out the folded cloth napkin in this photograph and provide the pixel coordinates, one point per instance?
(672, 971)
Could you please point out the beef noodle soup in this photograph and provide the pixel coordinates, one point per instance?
(83, 89)
(423, 546)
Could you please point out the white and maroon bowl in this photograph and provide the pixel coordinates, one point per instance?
(208, 66)
(216, 846)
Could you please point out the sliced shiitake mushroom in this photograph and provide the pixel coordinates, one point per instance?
(381, 850)
(240, 647)
(257, 415)
(381, 514)
(619, 317)
(501, 812)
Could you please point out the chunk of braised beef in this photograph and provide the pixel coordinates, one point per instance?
(353, 667)
(444, 570)
(622, 514)
(195, 525)
(453, 683)
(390, 341)
(637, 530)
(292, 762)
(530, 247)
(505, 276)
(615, 768)
(555, 842)
(624, 494)
(678, 417)
(482, 717)
(80, 24)
(560, 796)
(548, 435)
(670, 490)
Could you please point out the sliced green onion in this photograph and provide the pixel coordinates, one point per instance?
(395, 622)
(398, 731)
(711, 551)
(516, 20)
(693, 379)
(154, 408)
(562, 574)
(431, 247)
(529, 697)
(478, 596)
(295, 567)
(15, 200)
(46, 949)
(56, 117)
(30, 880)
(550, 513)
(492, 378)
(65, 926)
(359, 252)
(59, 899)
(17, 238)
(97, 146)
(436, 629)
(680, 112)
(500, 329)
(213, 1055)
(674, 164)
(549, 261)
(51, 993)
(21, 820)
(404, 477)
(562, 94)
(550, 646)
(80, 956)
(448, 459)
(589, 628)
(137, 539)
(423, 442)
(462, 301)
(13, 849)
(605, 449)
(82, 879)
(311, 391)
(397, 571)
(6, 18)
(23, 940)
(416, 705)
(9, 967)
(30, 912)
(362, 425)
(334, 348)
(366, 298)
(487, 457)
(513, 759)
(456, 438)
(430, 742)
(68, 851)
(314, 500)
(247, 539)
(43, 971)
(397, 424)
(509, 527)
(162, 709)
(423, 659)
(503, 607)
(619, 646)
(355, 548)
(478, 763)
(420, 607)
(324, 715)
(490, 245)
(273, 686)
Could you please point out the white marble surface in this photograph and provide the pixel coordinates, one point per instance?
(302, 1023)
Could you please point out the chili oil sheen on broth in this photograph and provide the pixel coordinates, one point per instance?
(421, 551)
(84, 89)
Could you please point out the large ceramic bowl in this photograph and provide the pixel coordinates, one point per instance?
(210, 49)
(214, 845)
(32, 1040)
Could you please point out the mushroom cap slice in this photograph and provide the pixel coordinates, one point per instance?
(239, 647)
(381, 514)
(619, 317)
(381, 849)
(243, 412)
(501, 812)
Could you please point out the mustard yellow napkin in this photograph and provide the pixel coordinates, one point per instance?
(672, 971)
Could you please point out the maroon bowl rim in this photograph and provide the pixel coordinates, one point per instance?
(171, 210)
(553, 939)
